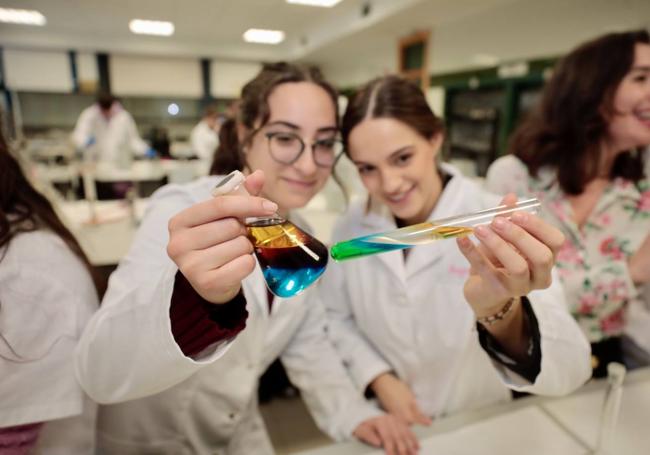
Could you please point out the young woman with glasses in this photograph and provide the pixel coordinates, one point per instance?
(190, 284)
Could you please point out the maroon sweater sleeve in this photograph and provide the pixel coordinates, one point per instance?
(19, 440)
(197, 323)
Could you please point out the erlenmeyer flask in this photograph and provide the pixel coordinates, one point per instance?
(291, 260)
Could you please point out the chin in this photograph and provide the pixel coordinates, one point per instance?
(403, 213)
(297, 201)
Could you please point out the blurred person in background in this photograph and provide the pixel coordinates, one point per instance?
(47, 295)
(108, 132)
(205, 135)
(583, 152)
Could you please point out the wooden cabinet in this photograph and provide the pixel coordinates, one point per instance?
(413, 58)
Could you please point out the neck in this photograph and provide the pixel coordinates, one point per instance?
(608, 153)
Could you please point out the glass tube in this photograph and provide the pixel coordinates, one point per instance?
(611, 406)
(427, 232)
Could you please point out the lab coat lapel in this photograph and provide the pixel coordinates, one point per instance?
(258, 287)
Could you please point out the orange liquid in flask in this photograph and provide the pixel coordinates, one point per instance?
(291, 259)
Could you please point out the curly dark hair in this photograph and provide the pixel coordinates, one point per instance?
(566, 128)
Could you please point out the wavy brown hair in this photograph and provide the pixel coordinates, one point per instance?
(567, 127)
(391, 97)
(23, 209)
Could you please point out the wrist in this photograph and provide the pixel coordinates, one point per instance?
(499, 313)
(380, 381)
(225, 297)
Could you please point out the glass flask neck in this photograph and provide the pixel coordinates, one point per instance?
(262, 221)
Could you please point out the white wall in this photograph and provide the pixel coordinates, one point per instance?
(228, 78)
(37, 70)
(155, 76)
(436, 99)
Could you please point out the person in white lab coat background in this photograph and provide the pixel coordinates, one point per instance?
(47, 295)
(162, 338)
(205, 135)
(584, 153)
(448, 326)
(108, 132)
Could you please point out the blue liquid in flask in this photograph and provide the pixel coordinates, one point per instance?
(291, 259)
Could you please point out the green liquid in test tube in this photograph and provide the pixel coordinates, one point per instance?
(423, 233)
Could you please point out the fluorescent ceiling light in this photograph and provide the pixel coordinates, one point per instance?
(173, 109)
(256, 35)
(146, 27)
(21, 16)
(323, 3)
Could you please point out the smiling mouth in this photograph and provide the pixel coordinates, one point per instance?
(644, 116)
(400, 197)
(299, 183)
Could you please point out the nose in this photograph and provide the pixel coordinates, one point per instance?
(390, 181)
(305, 163)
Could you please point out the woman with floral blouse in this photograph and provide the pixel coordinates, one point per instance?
(582, 153)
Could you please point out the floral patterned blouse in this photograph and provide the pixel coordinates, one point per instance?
(593, 261)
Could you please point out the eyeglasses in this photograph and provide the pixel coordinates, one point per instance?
(286, 148)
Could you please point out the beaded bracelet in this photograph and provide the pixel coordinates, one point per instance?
(501, 314)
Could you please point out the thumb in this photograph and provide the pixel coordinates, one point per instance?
(254, 183)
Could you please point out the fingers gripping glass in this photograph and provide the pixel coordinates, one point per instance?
(286, 148)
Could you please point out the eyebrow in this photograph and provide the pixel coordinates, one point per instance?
(644, 68)
(392, 155)
(293, 126)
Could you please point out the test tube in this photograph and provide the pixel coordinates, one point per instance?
(427, 232)
(611, 405)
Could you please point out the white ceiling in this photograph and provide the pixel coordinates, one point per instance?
(203, 27)
(340, 39)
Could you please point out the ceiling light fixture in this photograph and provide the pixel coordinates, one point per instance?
(21, 16)
(256, 35)
(321, 3)
(147, 27)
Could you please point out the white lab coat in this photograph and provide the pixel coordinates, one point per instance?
(46, 298)
(201, 405)
(410, 317)
(204, 140)
(115, 140)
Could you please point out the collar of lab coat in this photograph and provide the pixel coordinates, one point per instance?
(378, 218)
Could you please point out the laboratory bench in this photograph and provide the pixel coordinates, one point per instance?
(534, 425)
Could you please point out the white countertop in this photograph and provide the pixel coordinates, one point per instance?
(106, 238)
(533, 425)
